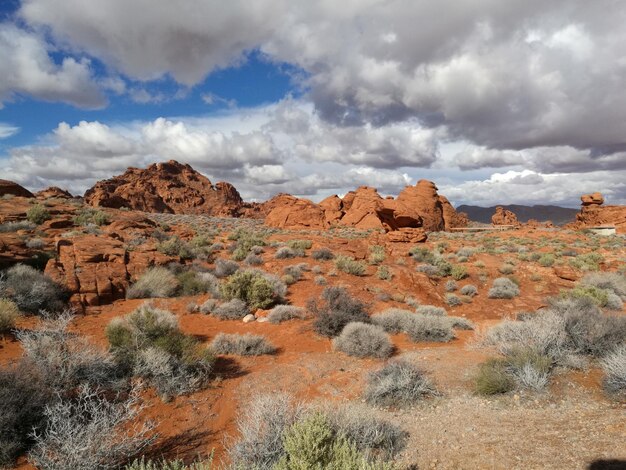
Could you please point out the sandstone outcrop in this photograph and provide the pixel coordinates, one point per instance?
(14, 189)
(169, 187)
(54, 191)
(504, 217)
(416, 207)
(594, 213)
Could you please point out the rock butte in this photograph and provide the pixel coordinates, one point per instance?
(14, 189)
(504, 217)
(594, 213)
(54, 191)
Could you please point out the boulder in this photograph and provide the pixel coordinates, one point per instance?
(293, 213)
(592, 199)
(14, 189)
(407, 235)
(424, 200)
(169, 187)
(54, 191)
(504, 217)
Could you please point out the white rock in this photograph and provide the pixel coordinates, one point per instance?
(249, 318)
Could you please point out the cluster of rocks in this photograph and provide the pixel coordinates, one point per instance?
(416, 210)
(594, 213)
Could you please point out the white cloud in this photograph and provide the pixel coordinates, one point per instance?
(28, 69)
(7, 130)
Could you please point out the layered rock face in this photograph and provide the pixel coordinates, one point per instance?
(593, 213)
(166, 187)
(14, 189)
(416, 209)
(504, 217)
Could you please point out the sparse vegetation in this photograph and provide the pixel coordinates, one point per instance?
(155, 282)
(458, 272)
(32, 291)
(257, 288)
(323, 254)
(242, 345)
(398, 383)
(282, 313)
(8, 314)
(225, 268)
(469, 290)
(337, 310)
(384, 273)
(503, 288)
(363, 340)
(349, 265)
(37, 214)
(17, 225)
(90, 216)
(377, 254)
(234, 309)
(614, 366)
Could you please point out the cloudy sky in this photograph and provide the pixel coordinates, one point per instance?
(517, 101)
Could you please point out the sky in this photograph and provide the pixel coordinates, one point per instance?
(516, 102)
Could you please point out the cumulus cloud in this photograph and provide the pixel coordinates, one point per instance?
(27, 69)
(7, 130)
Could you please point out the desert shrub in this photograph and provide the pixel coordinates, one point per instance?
(253, 260)
(148, 343)
(311, 444)
(614, 302)
(431, 310)
(377, 254)
(194, 283)
(469, 290)
(300, 244)
(245, 241)
(320, 280)
(31, 290)
(493, 378)
(458, 272)
(373, 436)
(451, 286)
(398, 383)
(568, 328)
(8, 314)
(349, 265)
(35, 243)
(337, 310)
(587, 262)
(242, 345)
(528, 368)
(284, 252)
(546, 260)
(260, 427)
(506, 268)
(429, 328)
(155, 282)
(422, 255)
(465, 252)
(234, 309)
(393, 320)
(452, 299)
(282, 313)
(256, 288)
(37, 214)
(363, 340)
(503, 288)
(614, 367)
(65, 360)
(23, 397)
(596, 295)
(613, 282)
(17, 225)
(143, 464)
(384, 273)
(225, 268)
(89, 216)
(175, 247)
(208, 306)
(91, 432)
(295, 271)
(323, 254)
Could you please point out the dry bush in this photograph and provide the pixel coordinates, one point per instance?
(282, 313)
(363, 340)
(260, 427)
(337, 309)
(91, 432)
(431, 310)
(469, 290)
(323, 254)
(393, 320)
(614, 367)
(155, 282)
(503, 288)
(31, 290)
(349, 265)
(398, 383)
(234, 309)
(8, 314)
(225, 268)
(242, 345)
(613, 282)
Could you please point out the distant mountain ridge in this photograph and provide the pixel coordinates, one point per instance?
(558, 215)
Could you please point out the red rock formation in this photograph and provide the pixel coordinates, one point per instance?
(54, 191)
(504, 217)
(452, 218)
(407, 235)
(166, 187)
(9, 187)
(593, 213)
(423, 199)
(293, 213)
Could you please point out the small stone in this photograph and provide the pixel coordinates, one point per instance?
(249, 318)
(262, 320)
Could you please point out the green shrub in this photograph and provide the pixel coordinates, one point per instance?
(587, 262)
(245, 241)
(546, 260)
(384, 273)
(299, 244)
(422, 255)
(349, 265)
(37, 214)
(193, 283)
(598, 296)
(155, 282)
(377, 254)
(458, 272)
(506, 269)
(91, 216)
(8, 314)
(493, 378)
(175, 247)
(255, 288)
